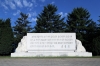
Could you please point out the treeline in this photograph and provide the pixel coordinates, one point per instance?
(48, 21)
(6, 37)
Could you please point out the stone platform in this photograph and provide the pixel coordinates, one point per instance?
(52, 54)
(50, 45)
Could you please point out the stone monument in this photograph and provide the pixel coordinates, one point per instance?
(50, 45)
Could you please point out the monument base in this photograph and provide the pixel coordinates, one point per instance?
(52, 54)
(50, 45)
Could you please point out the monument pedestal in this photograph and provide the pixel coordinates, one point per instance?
(50, 45)
(52, 54)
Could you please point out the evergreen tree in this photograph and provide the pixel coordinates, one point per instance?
(48, 21)
(98, 27)
(99, 19)
(78, 21)
(96, 46)
(21, 27)
(90, 35)
(6, 37)
(0, 29)
(96, 39)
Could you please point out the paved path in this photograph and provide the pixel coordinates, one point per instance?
(49, 61)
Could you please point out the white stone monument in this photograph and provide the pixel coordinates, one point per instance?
(50, 45)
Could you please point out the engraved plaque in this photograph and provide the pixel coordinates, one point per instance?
(51, 41)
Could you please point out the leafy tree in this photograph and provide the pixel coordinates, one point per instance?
(78, 21)
(6, 37)
(48, 21)
(21, 27)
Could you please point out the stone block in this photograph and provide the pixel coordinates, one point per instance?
(50, 45)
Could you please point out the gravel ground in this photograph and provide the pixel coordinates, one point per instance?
(49, 61)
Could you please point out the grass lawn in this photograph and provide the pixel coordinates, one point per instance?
(48, 57)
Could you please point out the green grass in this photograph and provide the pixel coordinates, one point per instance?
(4, 56)
(48, 57)
(96, 57)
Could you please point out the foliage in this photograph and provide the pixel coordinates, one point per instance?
(0, 29)
(96, 40)
(79, 22)
(98, 27)
(48, 21)
(96, 46)
(21, 27)
(6, 37)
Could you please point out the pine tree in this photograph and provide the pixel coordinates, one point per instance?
(78, 19)
(48, 21)
(0, 29)
(79, 22)
(98, 27)
(21, 27)
(96, 46)
(96, 39)
(6, 39)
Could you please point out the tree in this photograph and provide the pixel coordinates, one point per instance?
(0, 29)
(78, 21)
(96, 46)
(96, 40)
(48, 21)
(21, 27)
(99, 19)
(6, 37)
(98, 27)
(91, 34)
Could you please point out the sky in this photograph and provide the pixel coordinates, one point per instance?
(12, 8)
